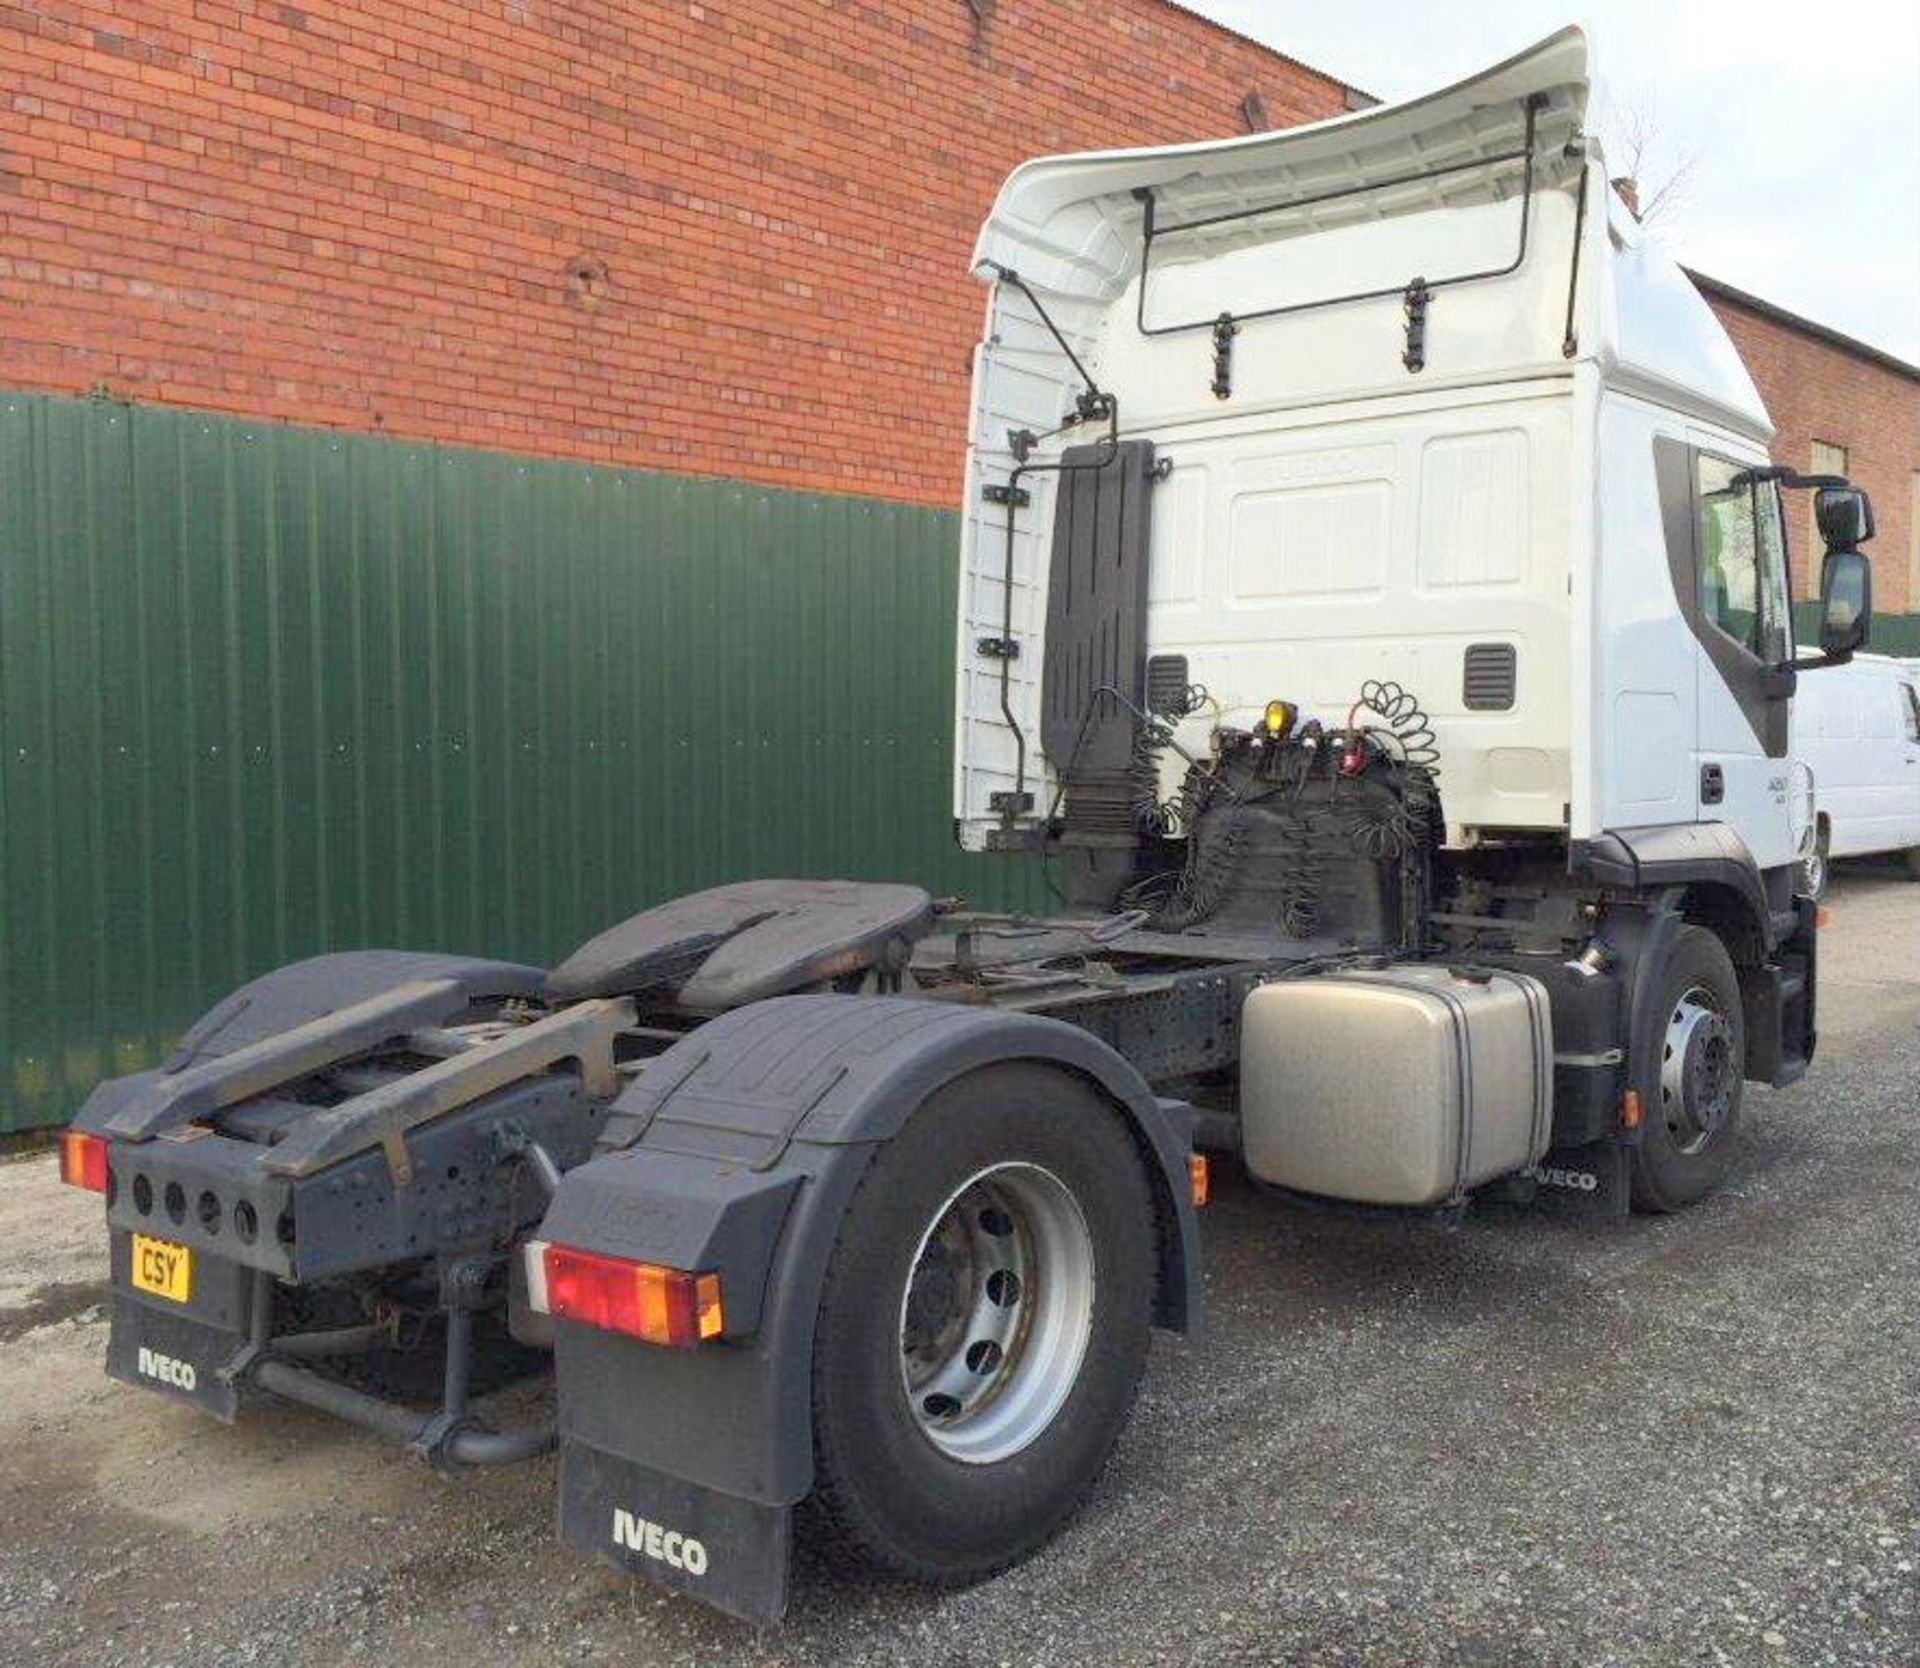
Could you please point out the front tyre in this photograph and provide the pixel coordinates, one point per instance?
(983, 1327)
(1692, 1080)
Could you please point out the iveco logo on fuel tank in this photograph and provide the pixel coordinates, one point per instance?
(166, 1369)
(664, 1546)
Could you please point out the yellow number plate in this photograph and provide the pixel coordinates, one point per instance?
(163, 1269)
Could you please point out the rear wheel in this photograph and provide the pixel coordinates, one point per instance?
(1692, 1080)
(984, 1325)
(1911, 859)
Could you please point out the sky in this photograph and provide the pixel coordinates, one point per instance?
(1803, 122)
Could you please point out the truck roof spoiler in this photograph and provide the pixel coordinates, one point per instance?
(1055, 218)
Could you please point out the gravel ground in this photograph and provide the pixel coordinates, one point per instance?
(1527, 1441)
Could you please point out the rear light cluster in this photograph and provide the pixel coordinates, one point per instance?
(83, 1160)
(644, 1300)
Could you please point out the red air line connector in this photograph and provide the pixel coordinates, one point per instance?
(1354, 759)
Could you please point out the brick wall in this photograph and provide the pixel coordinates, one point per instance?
(1819, 388)
(726, 237)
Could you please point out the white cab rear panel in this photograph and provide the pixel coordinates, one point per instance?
(1297, 562)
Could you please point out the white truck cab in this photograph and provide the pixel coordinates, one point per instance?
(1423, 406)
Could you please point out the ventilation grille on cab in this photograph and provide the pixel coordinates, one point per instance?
(1167, 684)
(1492, 673)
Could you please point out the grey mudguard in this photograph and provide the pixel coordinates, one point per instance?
(736, 944)
(307, 990)
(1679, 854)
(293, 1019)
(738, 1150)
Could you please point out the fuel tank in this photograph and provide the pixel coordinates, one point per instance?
(1409, 1084)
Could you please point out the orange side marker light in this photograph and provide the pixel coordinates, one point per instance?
(1630, 1110)
(1201, 1177)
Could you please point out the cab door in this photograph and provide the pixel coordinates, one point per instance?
(1730, 574)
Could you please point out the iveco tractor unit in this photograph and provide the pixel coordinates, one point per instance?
(1373, 615)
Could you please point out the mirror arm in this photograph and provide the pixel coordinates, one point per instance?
(1812, 664)
(1787, 477)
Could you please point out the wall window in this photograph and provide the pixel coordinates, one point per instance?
(1743, 558)
(1825, 459)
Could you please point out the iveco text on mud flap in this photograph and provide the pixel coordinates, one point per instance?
(166, 1369)
(1373, 614)
(666, 1546)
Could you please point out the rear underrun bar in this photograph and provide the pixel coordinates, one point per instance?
(407, 1427)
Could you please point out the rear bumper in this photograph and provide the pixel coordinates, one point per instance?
(210, 1195)
(220, 1195)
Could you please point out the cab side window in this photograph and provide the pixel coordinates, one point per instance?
(1910, 711)
(1742, 558)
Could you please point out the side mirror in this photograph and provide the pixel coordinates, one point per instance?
(1844, 515)
(1846, 597)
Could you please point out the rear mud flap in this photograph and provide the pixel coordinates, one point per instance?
(729, 1552)
(183, 1350)
(173, 1353)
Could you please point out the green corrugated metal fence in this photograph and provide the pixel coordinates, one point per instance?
(266, 691)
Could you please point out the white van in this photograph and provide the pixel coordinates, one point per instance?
(1857, 728)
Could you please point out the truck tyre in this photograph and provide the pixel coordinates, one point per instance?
(1910, 860)
(1817, 867)
(1691, 1081)
(983, 1326)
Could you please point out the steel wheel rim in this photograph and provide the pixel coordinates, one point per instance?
(997, 1313)
(1697, 1070)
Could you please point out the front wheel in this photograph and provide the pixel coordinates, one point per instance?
(1692, 1079)
(984, 1325)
